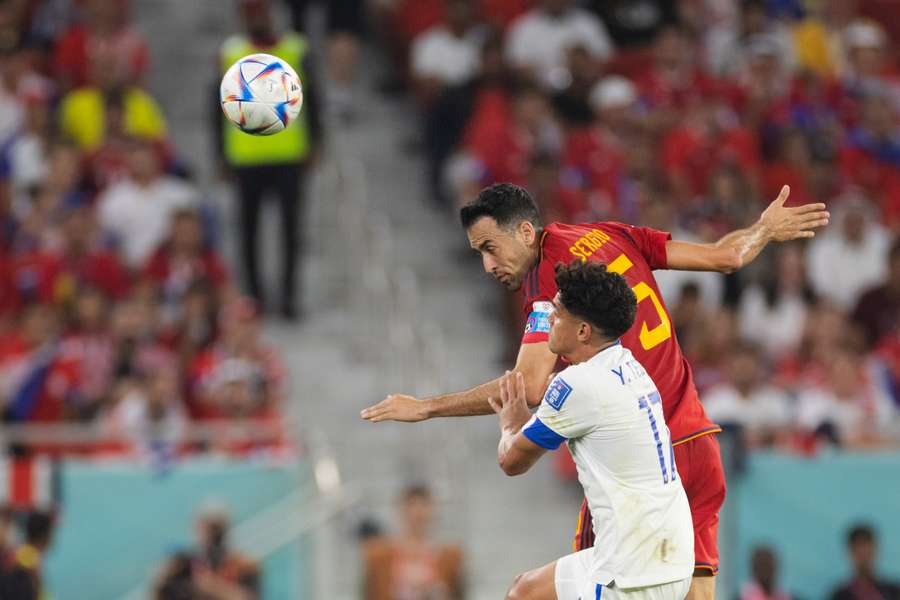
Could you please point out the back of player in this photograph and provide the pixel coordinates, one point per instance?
(610, 412)
(635, 252)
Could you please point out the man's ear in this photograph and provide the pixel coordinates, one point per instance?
(529, 233)
(585, 331)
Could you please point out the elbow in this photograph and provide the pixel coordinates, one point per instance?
(731, 262)
(511, 468)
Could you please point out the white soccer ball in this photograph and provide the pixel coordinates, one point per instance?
(261, 94)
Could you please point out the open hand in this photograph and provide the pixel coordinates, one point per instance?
(511, 407)
(396, 407)
(783, 224)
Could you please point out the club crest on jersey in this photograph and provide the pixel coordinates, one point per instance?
(557, 393)
(539, 319)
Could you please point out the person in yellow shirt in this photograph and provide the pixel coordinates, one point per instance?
(83, 111)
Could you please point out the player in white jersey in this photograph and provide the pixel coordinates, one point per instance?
(608, 410)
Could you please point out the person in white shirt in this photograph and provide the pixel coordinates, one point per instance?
(138, 210)
(849, 409)
(608, 409)
(853, 254)
(773, 312)
(762, 410)
(448, 54)
(538, 41)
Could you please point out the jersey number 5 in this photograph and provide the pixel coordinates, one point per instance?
(650, 338)
(652, 404)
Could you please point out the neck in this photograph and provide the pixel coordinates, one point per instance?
(587, 352)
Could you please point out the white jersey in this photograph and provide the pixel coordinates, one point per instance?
(610, 412)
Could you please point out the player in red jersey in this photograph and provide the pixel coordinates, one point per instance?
(503, 224)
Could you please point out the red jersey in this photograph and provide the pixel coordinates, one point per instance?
(633, 252)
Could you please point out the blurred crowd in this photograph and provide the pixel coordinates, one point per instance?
(116, 307)
(689, 116)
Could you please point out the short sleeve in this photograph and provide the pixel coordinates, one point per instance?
(564, 414)
(651, 243)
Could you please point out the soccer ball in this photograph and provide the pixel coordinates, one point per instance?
(261, 94)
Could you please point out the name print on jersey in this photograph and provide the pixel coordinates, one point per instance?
(589, 243)
(629, 371)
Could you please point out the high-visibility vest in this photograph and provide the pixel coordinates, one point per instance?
(288, 146)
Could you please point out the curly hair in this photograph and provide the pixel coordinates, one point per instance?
(603, 299)
(506, 203)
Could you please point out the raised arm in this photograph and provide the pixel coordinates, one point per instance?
(535, 362)
(737, 249)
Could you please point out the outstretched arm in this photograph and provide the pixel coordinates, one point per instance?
(737, 249)
(535, 362)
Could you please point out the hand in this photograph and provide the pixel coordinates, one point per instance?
(397, 407)
(512, 407)
(782, 224)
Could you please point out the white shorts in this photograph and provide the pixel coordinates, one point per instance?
(573, 583)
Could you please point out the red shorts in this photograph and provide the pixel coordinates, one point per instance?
(700, 467)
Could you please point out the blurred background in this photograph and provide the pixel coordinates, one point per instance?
(189, 326)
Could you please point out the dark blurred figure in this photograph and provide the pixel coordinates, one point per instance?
(447, 116)
(862, 545)
(412, 565)
(878, 310)
(634, 23)
(214, 572)
(275, 164)
(346, 27)
(23, 578)
(447, 54)
(764, 577)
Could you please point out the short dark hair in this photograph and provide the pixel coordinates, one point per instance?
(38, 526)
(416, 491)
(600, 297)
(506, 203)
(861, 532)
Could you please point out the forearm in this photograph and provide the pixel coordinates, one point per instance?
(745, 244)
(464, 404)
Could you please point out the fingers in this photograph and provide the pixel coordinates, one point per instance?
(494, 405)
(808, 208)
(504, 389)
(520, 387)
(783, 195)
(372, 411)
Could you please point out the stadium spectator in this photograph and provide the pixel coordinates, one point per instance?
(447, 54)
(635, 23)
(276, 164)
(184, 259)
(862, 546)
(747, 400)
(103, 28)
(238, 376)
(213, 570)
(763, 584)
(853, 251)
(847, 408)
(138, 210)
(23, 579)
(878, 310)
(538, 41)
(412, 564)
(88, 343)
(84, 112)
(37, 383)
(572, 101)
(773, 312)
(149, 417)
(446, 118)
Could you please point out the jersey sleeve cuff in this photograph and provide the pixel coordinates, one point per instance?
(534, 337)
(542, 435)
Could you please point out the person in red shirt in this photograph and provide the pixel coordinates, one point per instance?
(504, 226)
